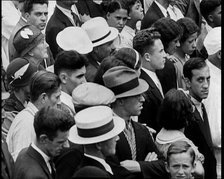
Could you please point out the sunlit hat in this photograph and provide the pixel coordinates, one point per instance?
(99, 31)
(95, 124)
(74, 38)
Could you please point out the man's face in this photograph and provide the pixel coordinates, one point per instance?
(136, 12)
(189, 46)
(133, 105)
(216, 16)
(157, 56)
(117, 19)
(75, 78)
(104, 50)
(108, 147)
(180, 166)
(54, 98)
(55, 146)
(199, 83)
(38, 16)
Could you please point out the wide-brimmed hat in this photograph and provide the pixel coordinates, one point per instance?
(91, 94)
(124, 82)
(74, 38)
(95, 124)
(27, 38)
(19, 72)
(99, 31)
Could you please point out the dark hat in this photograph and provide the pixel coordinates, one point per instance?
(124, 82)
(19, 72)
(27, 38)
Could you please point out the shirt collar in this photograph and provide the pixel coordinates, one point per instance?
(163, 10)
(102, 161)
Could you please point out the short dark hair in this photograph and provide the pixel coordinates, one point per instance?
(188, 26)
(168, 29)
(69, 60)
(208, 6)
(28, 4)
(43, 82)
(191, 64)
(144, 39)
(175, 110)
(129, 4)
(49, 120)
(179, 147)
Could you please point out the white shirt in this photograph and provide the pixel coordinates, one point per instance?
(127, 34)
(155, 79)
(21, 132)
(102, 161)
(198, 105)
(45, 157)
(10, 17)
(213, 104)
(67, 99)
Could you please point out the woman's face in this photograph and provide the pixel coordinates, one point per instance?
(173, 45)
(189, 45)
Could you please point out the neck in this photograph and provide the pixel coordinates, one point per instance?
(93, 151)
(131, 23)
(121, 113)
(195, 97)
(180, 54)
(163, 3)
(215, 61)
(42, 148)
(146, 64)
(64, 89)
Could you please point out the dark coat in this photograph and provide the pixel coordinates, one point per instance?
(198, 132)
(31, 165)
(151, 16)
(57, 22)
(153, 99)
(144, 145)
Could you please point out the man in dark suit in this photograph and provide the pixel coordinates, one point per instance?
(52, 128)
(135, 149)
(147, 42)
(62, 17)
(29, 16)
(197, 75)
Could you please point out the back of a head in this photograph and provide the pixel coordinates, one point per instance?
(175, 111)
(168, 29)
(28, 4)
(48, 120)
(69, 60)
(144, 39)
(43, 82)
(188, 27)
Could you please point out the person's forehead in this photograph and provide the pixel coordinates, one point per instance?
(204, 71)
(39, 7)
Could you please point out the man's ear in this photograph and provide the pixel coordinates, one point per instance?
(43, 139)
(167, 167)
(26, 15)
(63, 77)
(107, 15)
(187, 82)
(147, 57)
(210, 18)
(42, 98)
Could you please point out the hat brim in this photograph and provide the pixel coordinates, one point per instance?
(143, 87)
(113, 35)
(119, 126)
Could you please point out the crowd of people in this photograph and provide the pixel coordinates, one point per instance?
(111, 89)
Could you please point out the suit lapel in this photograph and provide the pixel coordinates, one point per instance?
(123, 145)
(157, 10)
(63, 18)
(34, 154)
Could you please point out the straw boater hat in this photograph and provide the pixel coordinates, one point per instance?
(74, 38)
(124, 82)
(99, 31)
(95, 124)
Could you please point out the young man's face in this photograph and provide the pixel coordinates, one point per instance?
(180, 166)
(117, 19)
(38, 16)
(216, 16)
(199, 84)
(104, 50)
(54, 98)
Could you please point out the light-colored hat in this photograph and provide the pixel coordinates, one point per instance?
(212, 41)
(27, 38)
(91, 94)
(95, 124)
(124, 82)
(74, 38)
(99, 31)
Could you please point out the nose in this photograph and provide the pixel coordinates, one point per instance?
(84, 80)
(66, 144)
(206, 84)
(117, 138)
(46, 44)
(142, 98)
(194, 44)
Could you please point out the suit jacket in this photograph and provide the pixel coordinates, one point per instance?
(151, 16)
(57, 22)
(7, 163)
(199, 134)
(190, 8)
(144, 145)
(92, 67)
(153, 99)
(31, 165)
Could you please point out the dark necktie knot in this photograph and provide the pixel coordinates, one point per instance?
(76, 19)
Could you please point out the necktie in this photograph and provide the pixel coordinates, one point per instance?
(76, 19)
(168, 14)
(53, 170)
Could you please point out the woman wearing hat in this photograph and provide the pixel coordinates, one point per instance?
(30, 44)
(97, 130)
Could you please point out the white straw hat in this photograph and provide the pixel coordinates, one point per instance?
(95, 124)
(99, 31)
(74, 38)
